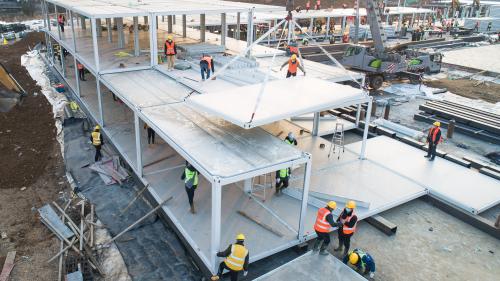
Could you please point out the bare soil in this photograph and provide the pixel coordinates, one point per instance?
(469, 88)
(31, 173)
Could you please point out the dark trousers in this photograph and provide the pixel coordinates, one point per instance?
(204, 69)
(62, 27)
(325, 236)
(190, 193)
(431, 150)
(282, 184)
(288, 74)
(98, 154)
(151, 136)
(344, 240)
(232, 274)
(81, 74)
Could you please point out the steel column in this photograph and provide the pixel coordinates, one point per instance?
(305, 196)
(99, 27)
(153, 42)
(169, 24)
(145, 19)
(84, 26)
(362, 154)
(184, 26)
(249, 32)
(247, 185)
(356, 30)
(96, 47)
(238, 25)
(173, 17)
(77, 79)
(110, 30)
(61, 56)
(315, 124)
(327, 25)
(223, 31)
(99, 99)
(216, 222)
(138, 145)
(202, 27)
(57, 20)
(358, 113)
(136, 37)
(121, 35)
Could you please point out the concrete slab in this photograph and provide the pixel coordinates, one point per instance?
(483, 58)
(313, 267)
(462, 187)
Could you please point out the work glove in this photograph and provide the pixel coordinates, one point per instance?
(245, 273)
(372, 275)
(278, 180)
(339, 224)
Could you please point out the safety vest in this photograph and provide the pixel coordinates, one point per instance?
(308, 4)
(96, 138)
(208, 59)
(236, 259)
(433, 134)
(284, 173)
(170, 47)
(346, 229)
(191, 176)
(288, 141)
(60, 19)
(293, 49)
(292, 67)
(79, 66)
(318, 3)
(322, 225)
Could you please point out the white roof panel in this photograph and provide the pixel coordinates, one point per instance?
(281, 99)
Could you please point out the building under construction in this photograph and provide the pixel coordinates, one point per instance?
(231, 129)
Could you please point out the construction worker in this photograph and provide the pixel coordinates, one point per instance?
(81, 71)
(433, 139)
(151, 134)
(190, 177)
(348, 220)
(170, 51)
(363, 262)
(489, 26)
(476, 27)
(206, 65)
(292, 48)
(283, 175)
(236, 259)
(293, 63)
(97, 142)
(61, 20)
(318, 5)
(308, 5)
(324, 222)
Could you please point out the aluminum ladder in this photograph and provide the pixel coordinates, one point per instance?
(337, 143)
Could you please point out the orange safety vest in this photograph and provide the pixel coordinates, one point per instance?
(292, 67)
(79, 66)
(322, 225)
(293, 49)
(170, 47)
(60, 19)
(318, 2)
(433, 133)
(308, 4)
(208, 60)
(345, 229)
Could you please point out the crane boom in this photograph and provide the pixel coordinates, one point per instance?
(378, 32)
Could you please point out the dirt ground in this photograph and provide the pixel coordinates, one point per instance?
(473, 89)
(31, 173)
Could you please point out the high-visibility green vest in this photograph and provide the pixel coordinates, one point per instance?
(191, 176)
(284, 173)
(288, 141)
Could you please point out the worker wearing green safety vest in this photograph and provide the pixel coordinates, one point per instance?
(190, 177)
(283, 175)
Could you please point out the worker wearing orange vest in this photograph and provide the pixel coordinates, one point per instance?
(61, 20)
(318, 5)
(308, 5)
(293, 63)
(97, 142)
(206, 65)
(81, 71)
(433, 138)
(236, 259)
(170, 51)
(323, 225)
(348, 220)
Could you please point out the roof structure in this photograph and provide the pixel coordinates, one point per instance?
(110, 8)
(277, 100)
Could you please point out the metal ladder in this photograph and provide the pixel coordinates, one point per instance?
(337, 143)
(260, 184)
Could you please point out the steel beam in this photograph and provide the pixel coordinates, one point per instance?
(95, 45)
(138, 146)
(136, 37)
(216, 222)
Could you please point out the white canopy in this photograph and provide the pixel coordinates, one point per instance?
(280, 99)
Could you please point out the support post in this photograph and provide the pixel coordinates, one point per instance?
(362, 154)
(216, 222)
(202, 27)
(356, 29)
(49, 26)
(184, 26)
(169, 24)
(344, 22)
(73, 30)
(315, 124)
(358, 114)
(138, 146)
(173, 17)
(84, 25)
(223, 31)
(96, 47)
(146, 20)
(305, 197)
(99, 27)
(121, 35)
(247, 185)
(153, 41)
(63, 63)
(110, 30)
(238, 25)
(311, 26)
(249, 32)
(57, 18)
(327, 26)
(77, 79)
(99, 99)
(136, 37)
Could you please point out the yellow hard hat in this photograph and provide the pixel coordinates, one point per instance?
(332, 205)
(437, 124)
(170, 37)
(353, 258)
(294, 57)
(351, 204)
(97, 127)
(240, 237)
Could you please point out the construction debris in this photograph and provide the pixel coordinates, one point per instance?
(8, 266)
(110, 170)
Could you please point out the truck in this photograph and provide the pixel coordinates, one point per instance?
(380, 62)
